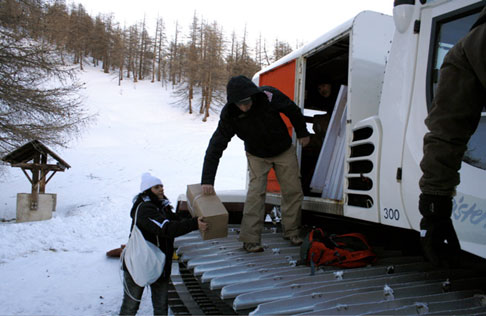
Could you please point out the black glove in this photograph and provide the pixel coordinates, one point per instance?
(438, 237)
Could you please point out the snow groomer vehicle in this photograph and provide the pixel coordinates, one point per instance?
(360, 173)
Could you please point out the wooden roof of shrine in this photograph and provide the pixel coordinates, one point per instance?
(30, 151)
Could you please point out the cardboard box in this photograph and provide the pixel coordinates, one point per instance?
(211, 208)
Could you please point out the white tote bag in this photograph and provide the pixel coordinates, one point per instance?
(144, 260)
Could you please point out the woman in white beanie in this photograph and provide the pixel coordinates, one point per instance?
(160, 226)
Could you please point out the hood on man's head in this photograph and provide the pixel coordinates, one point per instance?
(148, 181)
(239, 88)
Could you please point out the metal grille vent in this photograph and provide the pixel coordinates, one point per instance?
(359, 167)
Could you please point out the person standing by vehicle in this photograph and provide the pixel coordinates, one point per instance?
(159, 225)
(328, 92)
(454, 116)
(253, 114)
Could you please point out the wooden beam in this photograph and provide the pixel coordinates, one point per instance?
(42, 185)
(27, 175)
(42, 182)
(38, 166)
(53, 173)
(35, 183)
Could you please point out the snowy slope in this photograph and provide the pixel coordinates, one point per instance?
(58, 267)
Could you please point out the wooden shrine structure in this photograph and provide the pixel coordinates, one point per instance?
(34, 156)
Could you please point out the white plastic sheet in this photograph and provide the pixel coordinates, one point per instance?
(329, 171)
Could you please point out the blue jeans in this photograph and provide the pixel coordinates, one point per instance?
(159, 291)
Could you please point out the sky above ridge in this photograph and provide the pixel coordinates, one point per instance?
(293, 22)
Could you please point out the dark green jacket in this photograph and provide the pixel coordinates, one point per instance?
(455, 112)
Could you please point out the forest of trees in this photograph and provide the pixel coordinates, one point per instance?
(42, 38)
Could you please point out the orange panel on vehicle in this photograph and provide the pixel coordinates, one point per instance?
(282, 78)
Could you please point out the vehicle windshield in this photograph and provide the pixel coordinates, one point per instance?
(449, 31)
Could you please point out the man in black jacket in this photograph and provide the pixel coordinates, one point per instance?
(453, 118)
(253, 114)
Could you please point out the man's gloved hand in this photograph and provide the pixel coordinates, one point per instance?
(438, 237)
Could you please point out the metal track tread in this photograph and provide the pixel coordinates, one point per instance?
(185, 305)
(175, 303)
(208, 302)
(223, 279)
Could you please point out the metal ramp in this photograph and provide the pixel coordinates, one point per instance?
(334, 288)
(395, 306)
(270, 282)
(326, 300)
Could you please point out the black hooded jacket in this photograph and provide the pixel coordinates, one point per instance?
(261, 128)
(160, 225)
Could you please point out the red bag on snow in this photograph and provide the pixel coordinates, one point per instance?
(346, 251)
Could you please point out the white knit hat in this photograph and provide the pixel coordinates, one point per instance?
(148, 181)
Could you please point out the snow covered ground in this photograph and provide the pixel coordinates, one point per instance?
(58, 266)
